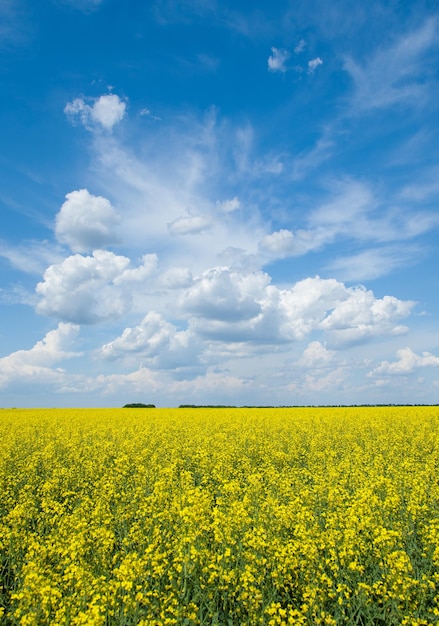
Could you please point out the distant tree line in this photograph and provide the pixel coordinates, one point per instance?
(141, 405)
(138, 405)
(295, 406)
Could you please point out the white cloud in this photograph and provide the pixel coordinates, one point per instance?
(311, 159)
(106, 111)
(32, 256)
(354, 212)
(345, 314)
(349, 213)
(210, 387)
(281, 243)
(156, 341)
(143, 381)
(145, 112)
(228, 206)
(235, 306)
(220, 383)
(190, 225)
(352, 202)
(373, 263)
(300, 47)
(90, 289)
(175, 278)
(393, 75)
(86, 222)
(407, 362)
(278, 59)
(138, 274)
(148, 338)
(313, 65)
(77, 109)
(173, 188)
(359, 315)
(316, 355)
(333, 380)
(224, 295)
(285, 243)
(33, 365)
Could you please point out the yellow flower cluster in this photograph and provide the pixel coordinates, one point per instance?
(219, 516)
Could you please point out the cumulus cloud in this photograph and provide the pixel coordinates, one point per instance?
(407, 362)
(313, 65)
(137, 274)
(105, 111)
(189, 225)
(86, 222)
(90, 289)
(316, 355)
(237, 306)
(221, 294)
(284, 243)
(277, 60)
(281, 243)
(148, 338)
(155, 340)
(34, 365)
(360, 315)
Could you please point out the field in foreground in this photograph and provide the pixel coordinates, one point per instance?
(219, 516)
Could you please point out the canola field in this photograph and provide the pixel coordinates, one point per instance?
(219, 516)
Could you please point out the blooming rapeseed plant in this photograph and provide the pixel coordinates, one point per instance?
(219, 516)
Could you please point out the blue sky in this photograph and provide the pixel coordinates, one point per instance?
(218, 202)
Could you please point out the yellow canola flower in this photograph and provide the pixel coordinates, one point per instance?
(219, 516)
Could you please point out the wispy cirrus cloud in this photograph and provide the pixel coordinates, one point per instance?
(356, 213)
(15, 28)
(373, 263)
(31, 256)
(397, 74)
